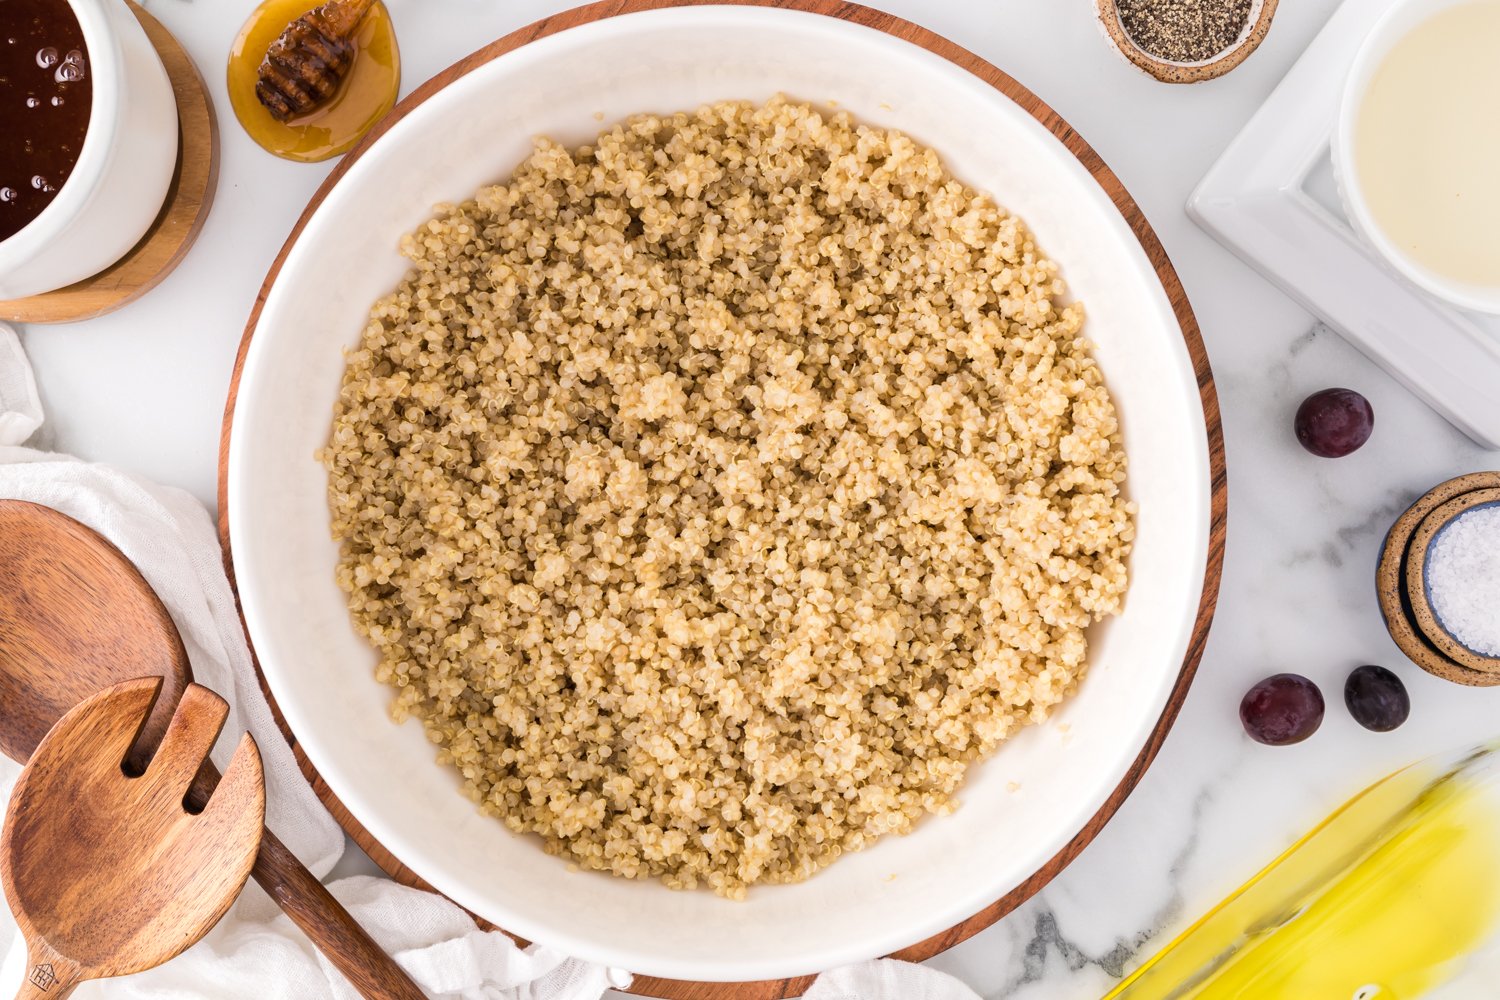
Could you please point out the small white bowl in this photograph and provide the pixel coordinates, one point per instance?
(1398, 22)
(1020, 807)
(120, 181)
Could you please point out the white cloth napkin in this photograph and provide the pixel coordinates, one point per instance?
(888, 980)
(256, 953)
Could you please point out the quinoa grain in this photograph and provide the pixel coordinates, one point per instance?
(715, 494)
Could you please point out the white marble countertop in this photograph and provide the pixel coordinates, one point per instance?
(144, 389)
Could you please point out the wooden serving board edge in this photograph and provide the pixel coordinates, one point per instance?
(666, 989)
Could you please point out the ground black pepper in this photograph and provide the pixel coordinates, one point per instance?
(1184, 30)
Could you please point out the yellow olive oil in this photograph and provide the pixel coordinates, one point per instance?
(1394, 896)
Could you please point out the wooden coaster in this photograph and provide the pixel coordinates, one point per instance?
(182, 215)
(1390, 583)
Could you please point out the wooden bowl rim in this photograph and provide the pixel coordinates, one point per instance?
(1108, 12)
(1171, 285)
(1390, 572)
(1417, 554)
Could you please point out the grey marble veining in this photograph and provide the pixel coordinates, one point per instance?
(1048, 939)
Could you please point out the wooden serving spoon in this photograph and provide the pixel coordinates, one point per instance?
(110, 874)
(76, 616)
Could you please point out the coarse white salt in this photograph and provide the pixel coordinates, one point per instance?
(1463, 579)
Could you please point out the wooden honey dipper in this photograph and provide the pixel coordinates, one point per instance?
(305, 66)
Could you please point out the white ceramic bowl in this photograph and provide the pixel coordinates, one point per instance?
(474, 132)
(1390, 29)
(120, 181)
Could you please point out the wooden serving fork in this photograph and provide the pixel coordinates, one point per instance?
(76, 617)
(110, 874)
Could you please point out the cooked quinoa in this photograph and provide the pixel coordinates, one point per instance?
(717, 493)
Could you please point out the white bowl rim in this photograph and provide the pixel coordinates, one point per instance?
(1389, 29)
(1208, 547)
(106, 68)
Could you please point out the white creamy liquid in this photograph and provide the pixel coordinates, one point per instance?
(1427, 144)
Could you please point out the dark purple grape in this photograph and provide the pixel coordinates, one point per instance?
(1376, 698)
(1334, 422)
(1282, 710)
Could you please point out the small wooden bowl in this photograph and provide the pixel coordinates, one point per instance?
(1417, 593)
(1167, 71)
(1390, 583)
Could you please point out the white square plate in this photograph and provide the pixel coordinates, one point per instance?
(1273, 200)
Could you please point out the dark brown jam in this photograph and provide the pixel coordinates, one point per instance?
(45, 96)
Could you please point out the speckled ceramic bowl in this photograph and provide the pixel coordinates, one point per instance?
(1418, 584)
(1167, 71)
(1391, 583)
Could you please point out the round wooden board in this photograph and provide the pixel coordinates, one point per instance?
(772, 989)
(182, 215)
